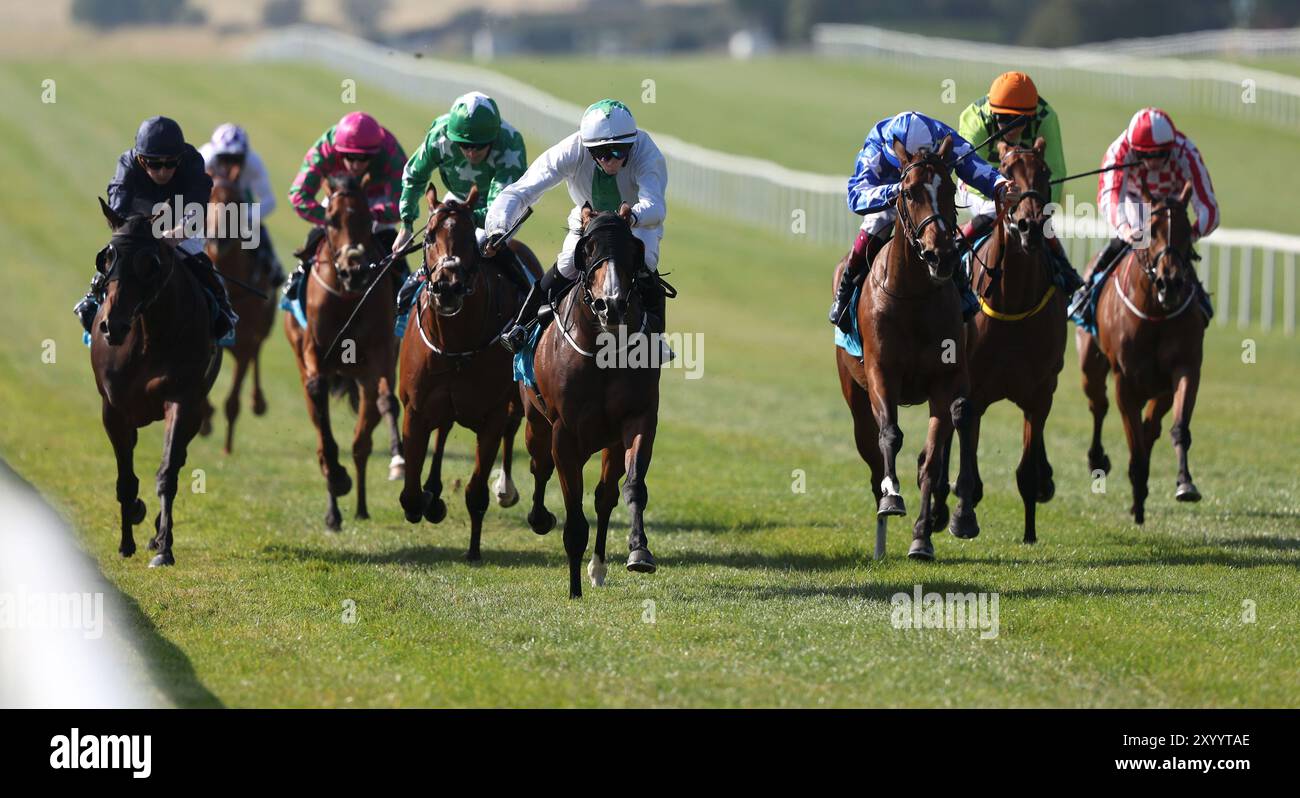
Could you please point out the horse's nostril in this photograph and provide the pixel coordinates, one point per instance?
(1023, 225)
(600, 306)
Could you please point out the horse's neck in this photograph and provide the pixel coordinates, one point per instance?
(468, 329)
(1133, 283)
(905, 272)
(1017, 275)
(179, 304)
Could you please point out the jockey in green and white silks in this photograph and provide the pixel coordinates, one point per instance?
(606, 163)
(469, 145)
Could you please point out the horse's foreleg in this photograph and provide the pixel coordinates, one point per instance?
(866, 436)
(569, 462)
(232, 401)
(1187, 383)
(337, 481)
(537, 439)
(415, 444)
(1156, 409)
(938, 434)
(122, 434)
(1095, 368)
(476, 492)
(390, 408)
(1029, 471)
(435, 509)
(890, 442)
(1130, 408)
(638, 443)
(504, 488)
(362, 434)
(611, 469)
(964, 416)
(183, 420)
(259, 398)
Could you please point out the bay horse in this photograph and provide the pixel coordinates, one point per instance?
(1150, 336)
(453, 370)
(362, 367)
(913, 350)
(584, 403)
(154, 359)
(1016, 344)
(225, 247)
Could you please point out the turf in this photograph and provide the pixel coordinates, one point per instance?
(765, 597)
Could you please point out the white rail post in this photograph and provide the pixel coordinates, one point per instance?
(1225, 285)
(1244, 286)
(1266, 294)
(1288, 295)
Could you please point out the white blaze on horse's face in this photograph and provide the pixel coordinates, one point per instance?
(933, 188)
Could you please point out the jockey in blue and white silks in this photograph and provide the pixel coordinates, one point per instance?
(874, 187)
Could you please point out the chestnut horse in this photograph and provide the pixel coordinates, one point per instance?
(363, 366)
(154, 359)
(231, 258)
(1150, 333)
(913, 350)
(584, 404)
(453, 370)
(1016, 344)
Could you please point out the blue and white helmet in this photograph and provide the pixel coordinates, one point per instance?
(910, 128)
(607, 122)
(229, 139)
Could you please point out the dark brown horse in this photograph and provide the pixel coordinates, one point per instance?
(913, 350)
(1016, 344)
(154, 359)
(453, 370)
(1150, 333)
(363, 365)
(227, 248)
(586, 402)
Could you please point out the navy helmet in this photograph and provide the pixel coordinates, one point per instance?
(159, 137)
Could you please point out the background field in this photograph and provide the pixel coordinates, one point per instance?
(765, 596)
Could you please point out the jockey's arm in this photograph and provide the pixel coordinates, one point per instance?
(650, 209)
(416, 175)
(548, 171)
(302, 195)
(869, 189)
(259, 182)
(1204, 202)
(1112, 190)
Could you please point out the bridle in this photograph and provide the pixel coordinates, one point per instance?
(911, 229)
(470, 274)
(1008, 213)
(340, 256)
(114, 273)
(1150, 268)
(465, 288)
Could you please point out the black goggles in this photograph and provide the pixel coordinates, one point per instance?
(610, 152)
(160, 163)
(1153, 154)
(469, 145)
(357, 156)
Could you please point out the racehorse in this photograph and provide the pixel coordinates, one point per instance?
(453, 370)
(154, 359)
(913, 351)
(362, 366)
(225, 247)
(584, 403)
(1150, 335)
(1016, 344)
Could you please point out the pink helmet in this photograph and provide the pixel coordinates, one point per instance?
(358, 132)
(1150, 130)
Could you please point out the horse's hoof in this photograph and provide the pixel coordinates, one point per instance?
(340, 483)
(205, 429)
(362, 515)
(161, 559)
(396, 468)
(1187, 492)
(412, 516)
(891, 504)
(596, 571)
(1099, 463)
(939, 518)
(1030, 540)
(474, 557)
(964, 525)
(1139, 514)
(506, 492)
(259, 404)
(641, 561)
(1046, 490)
(435, 511)
(333, 522)
(541, 523)
(921, 550)
(138, 511)
(126, 551)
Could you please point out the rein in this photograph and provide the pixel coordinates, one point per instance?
(113, 274)
(1004, 215)
(911, 231)
(1148, 269)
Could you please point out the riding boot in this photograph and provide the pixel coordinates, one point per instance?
(407, 293)
(1067, 278)
(1080, 305)
(304, 255)
(89, 304)
(203, 270)
(973, 230)
(553, 283)
(513, 268)
(865, 249)
(1203, 299)
(654, 298)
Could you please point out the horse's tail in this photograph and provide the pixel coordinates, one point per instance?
(345, 387)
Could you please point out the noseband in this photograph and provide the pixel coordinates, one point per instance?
(913, 230)
(114, 272)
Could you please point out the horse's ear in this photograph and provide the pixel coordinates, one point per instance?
(431, 194)
(1185, 194)
(1142, 187)
(232, 174)
(625, 212)
(1003, 147)
(587, 213)
(1040, 145)
(472, 198)
(114, 221)
(900, 152)
(365, 180)
(945, 147)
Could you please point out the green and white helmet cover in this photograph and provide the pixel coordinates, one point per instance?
(607, 122)
(474, 119)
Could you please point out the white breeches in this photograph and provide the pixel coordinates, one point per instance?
(649, 236)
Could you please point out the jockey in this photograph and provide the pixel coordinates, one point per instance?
(1168, 160)
(354, 147)
(874, 186)
(1013, 97)
(607, 162)
(228, 149)
(470, 145)
(159, 168)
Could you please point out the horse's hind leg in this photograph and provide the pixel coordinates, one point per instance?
(1029, 472)
(504, 488)
(415, 442)
(362, 445)
(259, 398)
(638, 443)
(866, 436)
(183, 420)
(337, 481)
(122, 434)
(611, 469)
(970, 486)
(1095, 368)
(476, 492)
(1186, 385)
(390, 409)
(537, 438)
(232, 401)
(569, 462)
(1130, 408)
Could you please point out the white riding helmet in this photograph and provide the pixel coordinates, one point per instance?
(230, 139)
(607, 122)
(913, 132)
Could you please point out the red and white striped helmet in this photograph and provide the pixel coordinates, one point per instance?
(1151, 130)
